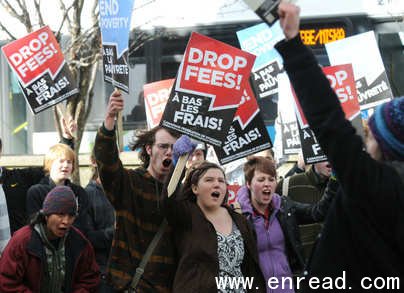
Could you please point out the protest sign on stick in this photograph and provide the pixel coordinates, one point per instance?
(41, 69)
(115, 26)
(208, 89)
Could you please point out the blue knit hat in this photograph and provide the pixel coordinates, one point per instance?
(387, 126)
(60, 200)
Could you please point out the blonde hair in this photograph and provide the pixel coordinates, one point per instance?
(57, 151)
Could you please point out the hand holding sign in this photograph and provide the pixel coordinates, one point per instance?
(115, 105)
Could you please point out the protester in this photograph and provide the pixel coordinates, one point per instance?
(135, 196)
(307, 187)
(50, 255)
(14, 184)
(363, 234)
(59, 166)
(102, 220)
(275, 219)
(213, 241)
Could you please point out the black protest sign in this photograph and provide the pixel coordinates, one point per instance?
(265, 80)
(370, 95)
(290, 137)
(247, 135)
(312, 152)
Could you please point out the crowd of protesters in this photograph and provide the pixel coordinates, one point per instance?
(125, 232)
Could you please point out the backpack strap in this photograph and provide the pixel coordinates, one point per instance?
(285, 186)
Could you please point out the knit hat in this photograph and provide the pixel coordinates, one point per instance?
(387, 126)
(60, 200)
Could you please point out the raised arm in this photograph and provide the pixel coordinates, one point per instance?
(106, 152)
(361, 177)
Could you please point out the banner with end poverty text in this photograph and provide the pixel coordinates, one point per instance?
(260, 41)
(156, 95)
(42, 72)
(363, 53)
(208, 89)
(115, 27)
(341, 79)
(247, 135)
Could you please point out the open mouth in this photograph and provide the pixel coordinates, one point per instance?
(166, 163)
(215, 194)
(266, 192)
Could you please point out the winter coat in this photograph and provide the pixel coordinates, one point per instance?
(135, 196)
(196, 243)
(307, 187)
(22, 262)
(363, 234)
(37, 193)
(102, 219)
(16, 183)
(289, 215)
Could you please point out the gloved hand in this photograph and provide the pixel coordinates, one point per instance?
(182, 146)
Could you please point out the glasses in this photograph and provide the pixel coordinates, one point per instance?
(164, 146)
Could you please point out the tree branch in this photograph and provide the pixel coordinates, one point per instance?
(90, 90)
(3, 28)
(11, 10)
(37, 4)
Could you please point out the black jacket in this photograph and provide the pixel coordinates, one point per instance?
(102, 219)
(363, 233)
(37, 193)
(294, 214)
(16, 183)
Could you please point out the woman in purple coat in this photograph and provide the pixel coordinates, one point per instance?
(276, 219)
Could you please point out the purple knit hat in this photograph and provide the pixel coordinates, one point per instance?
(387, 126)
(60, 200)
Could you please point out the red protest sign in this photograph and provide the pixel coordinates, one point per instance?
(33, 54)
(342, 81)
(208, 89)
(41, 69)
(232, 189)
(156, 95)
(213, 67)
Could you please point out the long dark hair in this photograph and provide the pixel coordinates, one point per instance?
(195, 174)
(144, 138)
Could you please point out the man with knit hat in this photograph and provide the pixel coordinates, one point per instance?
(50, 255)
(363, 235)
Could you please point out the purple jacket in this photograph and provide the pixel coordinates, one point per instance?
(272, 253)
